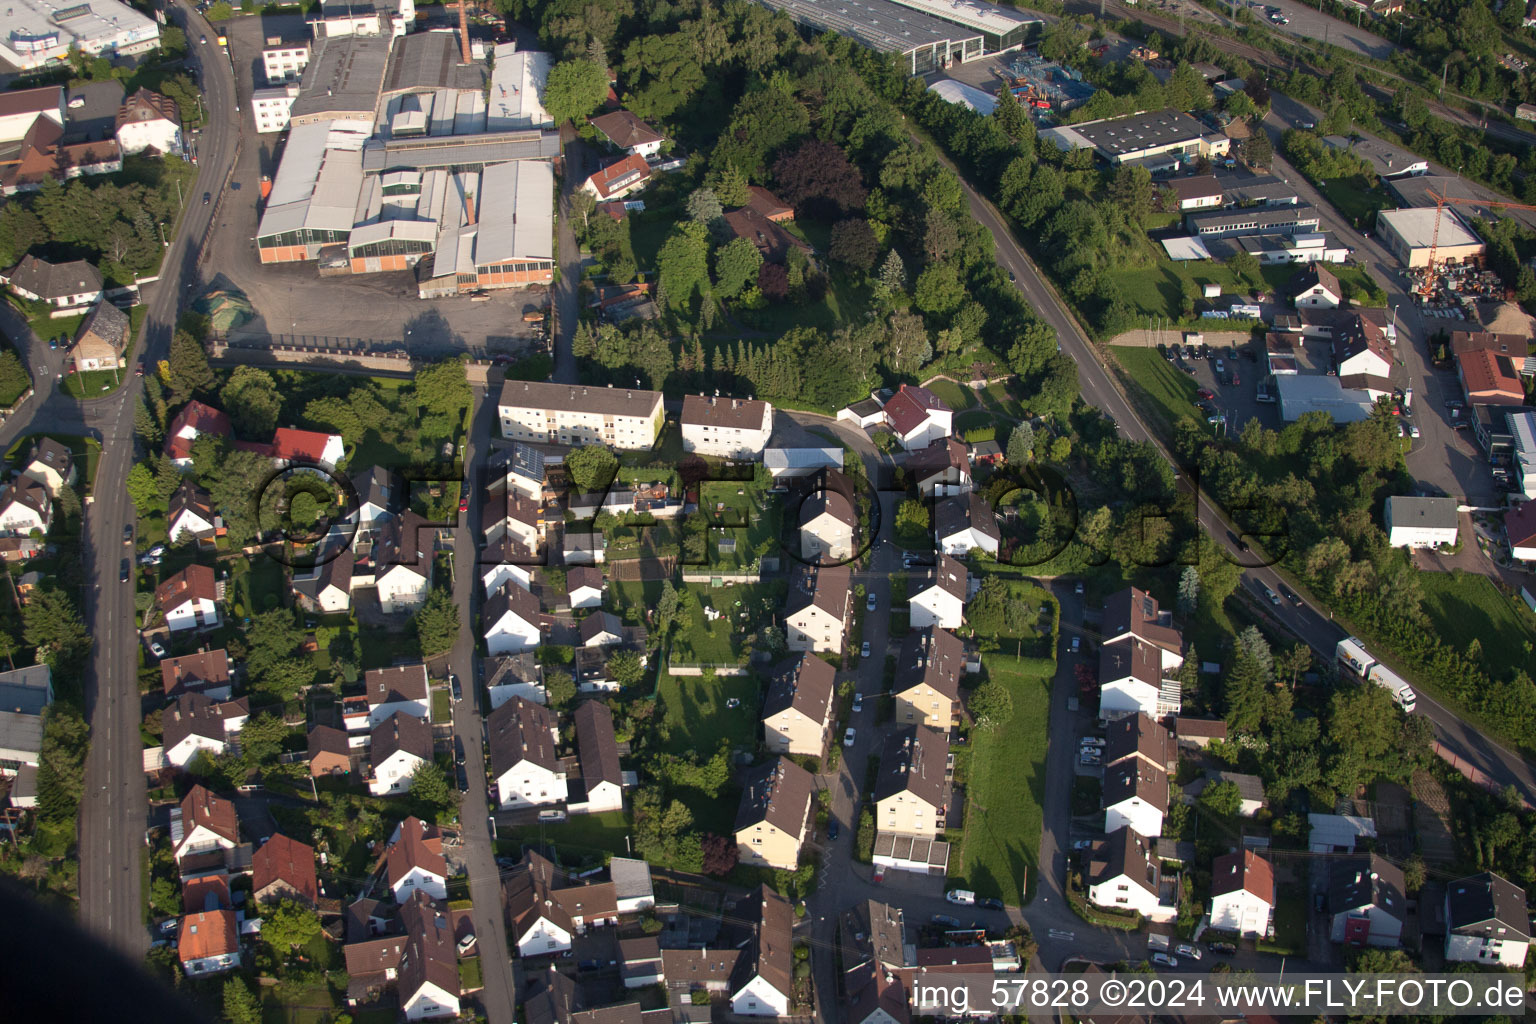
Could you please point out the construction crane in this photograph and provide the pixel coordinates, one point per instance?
(1430, 276)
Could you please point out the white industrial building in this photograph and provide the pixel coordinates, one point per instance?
(1157, 140)
(1411, 233)
(924, 43)
(1421, 522)
(271, 107)
(1303, 393)
(41, 32)
(284, 62)
(516, 99)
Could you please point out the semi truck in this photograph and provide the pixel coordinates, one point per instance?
(1352, 657)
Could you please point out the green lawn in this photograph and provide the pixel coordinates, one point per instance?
(470, 974)
(442, 706)
(1290, 922)
(1000, 852)
(1463, 606)
(45, 327)
(313, 1005)
(1356, 198)
(93, 383)
(695, 717)
(581, 837)
(258, 584)
(957, 396)
(722, 641)
(1169, 393)
(845, 302)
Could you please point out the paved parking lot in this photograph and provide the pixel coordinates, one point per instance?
(1237, 401)
(1310, 23)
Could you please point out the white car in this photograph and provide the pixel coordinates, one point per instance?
(156, 649)
(864, 650)
(848, 736)
(1077, 644)
(1093, 741)
(1164, 960)
(869, 605)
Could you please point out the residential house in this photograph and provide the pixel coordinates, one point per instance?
(22, 107)
(399, 566)
(911, 793)
(511, 620)
(941, 470)
(632, 886)
(51, 464)
(762, 981)
(584, 586)
(594, 666)
(546, 909)
(24, 507)
(398, 747)
(1250, 789)
(1197, 733)
(771, 239)
(147, 120)
(1201, 192)
(624, 176)
(829, 520)
(1135, 794)
(325, 588)
(1125, 874)
(1337, 833)
(207, 942)
(964, 522)
(552, 997)
(1141, 738)
(377, 494)
(601, 629)
(61, 285)
(519, 468)
(727, 428)
(204, 831)
(926, 688)
(1242, 893)
(1520, 529)
(873, 934)
(401, 688)
(1133, 614)
(514, 675)
(624, 418)
(1362, 355)
(205, 673)
(508, 515)
(771, 820)
(1414, 522)
(1131, 682)
(1486, 921)
(193, 421)
(524, 767)
(373, 964)
(938, 599)
(414, 862)
(584, 547)
(102, 340)
(329, 752)
(427, 981)
(19, 549)
(25, 695)
(1316, 288)
(917, 417)
(301, 448)
(283, 868)
(797, 711)
(1489, 366)
(625, 131)
(986, 453)
(876, 997)
(640, 962)
(193, 723)
(769, 205)
(817, 609)
(191, 516)
(601, 786)
(1367, 901)
(189, 599)
(705, 971)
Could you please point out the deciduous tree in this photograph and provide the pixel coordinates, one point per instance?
(574, 89)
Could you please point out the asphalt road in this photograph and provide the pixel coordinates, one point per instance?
(113, 811)
(1309, 623)
(499, 996)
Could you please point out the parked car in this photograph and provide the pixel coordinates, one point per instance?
(1188, 949)
(1290, 595)
(1413, 430)
(1077, 588)
(156, 649)
(1223, 948)
(864, 649)
(858, 702)
(831, 828)
(1090, 758)
(458, 750)
(989, 903)
(869, 605)
(1094, 741)
(848, 737)
(53, 343)
(1221, 367)
(1205, 393)
(1164, 960)
(945, 921)
(1077, 642)
(1162, 350)
(123, 571)
(453, 684)
(1082, 844)
(127, 533)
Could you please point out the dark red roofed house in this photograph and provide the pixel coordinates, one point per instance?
(918, 417)
(620, 178)
(189, 599)
(284, 868)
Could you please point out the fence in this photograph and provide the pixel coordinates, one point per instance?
(753, 576)
(677, 668)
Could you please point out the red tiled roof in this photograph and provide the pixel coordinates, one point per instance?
(1520, 524)
(1243, 869)
(200, 807)
(288, 443)
(207, 933)
(204, 419)
(1491, 377)
(603, 180)
(281, 859)
(195, 893)
(911, 406)
(30, 101)
(194, 583)
(420, 846)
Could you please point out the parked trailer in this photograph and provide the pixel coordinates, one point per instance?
(1351, 655)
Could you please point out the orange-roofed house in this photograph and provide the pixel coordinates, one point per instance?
(208, 943)
(1489, 376)
(620, 178)
(284, 868)
(306, 447)
(1520, 526)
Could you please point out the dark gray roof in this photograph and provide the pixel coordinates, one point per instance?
(1138, 734)
(192, 714)
(954, 514)
(429, 954)
(95, 120)
(509, 669)
(1257, 216)
(1487, 904)
(21, 732)
(913, 762)
(55, 280)
(375, 485)
(1136, 778)
(518, 459)
(1356, 882)
(343, 76)
(599, 623)
(596, 747)
(805, 683)
(108, 323)
(779, 793)
(521, 730)
(1135, 132)
(934, 656)
(27, 690)
(400, 731)
(1126, 853)
(425, 61)
(513, 598)
(468, 151)
(950, 576)
(827, 587)
(520, 394)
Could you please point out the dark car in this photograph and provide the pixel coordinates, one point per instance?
(1222, 948)
(122, 572)
(1319, 901)
(458, 691)
(945, 921)
(463, 780)
(1290, 595)
(458, 750)
(53, 343)
(990, 904)
(832, 829)
(1162, 350)
(207, 198)
(127, 533)
(1242, 545)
